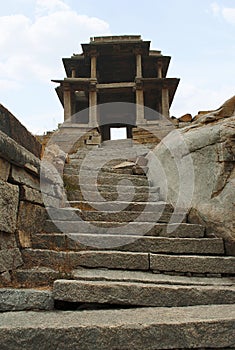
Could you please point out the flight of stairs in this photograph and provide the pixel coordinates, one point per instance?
(170, 285)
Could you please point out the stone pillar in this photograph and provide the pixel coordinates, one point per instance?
(93, 67)
(67, 103)
(73, 102)
(138, 65)
(165, 103)
(159, 69)
(93, 107)
(139, 106)
(73, 73)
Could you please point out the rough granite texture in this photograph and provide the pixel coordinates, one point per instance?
(10, 259)
(4, 169)
(9, 200)
(109, 259)
(14, 129)
(25, 299)
(198, 161)
(197, 264)
(128, 243)
(141, 294)
(31, 217)
(145, 328)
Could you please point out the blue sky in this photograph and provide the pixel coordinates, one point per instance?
(36, 34)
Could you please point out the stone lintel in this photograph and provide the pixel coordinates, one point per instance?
(116, 85)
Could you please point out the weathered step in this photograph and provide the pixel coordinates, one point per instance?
(115, 165)
(78, 207)
(148, 277)
(108, 179)
(113, 152)
(44, 276)
(74, 216)
(141, 294)
(129, 243)
(102, 158)
(123, 188)
(117, 143)
(80, 159)
(182, 230)
(91, 220)
(123, 205)
(12, 299)
(93, 171)
(124, 216)
(193, 264)
(77, 196)
(36, 276)
(192, 327)
(65, 261)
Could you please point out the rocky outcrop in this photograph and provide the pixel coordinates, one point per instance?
(194, 167)
(226, 110)
(186, 118)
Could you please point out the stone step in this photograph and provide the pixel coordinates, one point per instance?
(116, 219)
(37, 276)
(131, 243)
(128, 216)
(79, 207)
(77, 162)
(109, 164)
(141, 294)
(117, 143)
(123, 188)
(110, 179)
(75, 216)
(121, 205)
(44, 276)
(116, 147)
(148, 277)
(192, 327)
(181, 230)
(93, 171)
(95, 193)
(96, 196)
(13, 299)
(133, 171)
(66, 261)
(111, 154)
(192, 264)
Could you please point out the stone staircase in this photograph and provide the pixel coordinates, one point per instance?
(122, 274)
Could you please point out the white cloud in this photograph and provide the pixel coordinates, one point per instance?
(9, 85)
(45, 6)
(192, 98)
(215, 8)
(31, 50)
(229, 14)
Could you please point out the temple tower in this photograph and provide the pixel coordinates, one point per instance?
(116, 69)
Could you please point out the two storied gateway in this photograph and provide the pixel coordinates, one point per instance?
(116, 69)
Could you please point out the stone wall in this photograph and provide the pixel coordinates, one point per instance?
(70, 138)
(14, 129)
(151, 133)
(22, 211)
